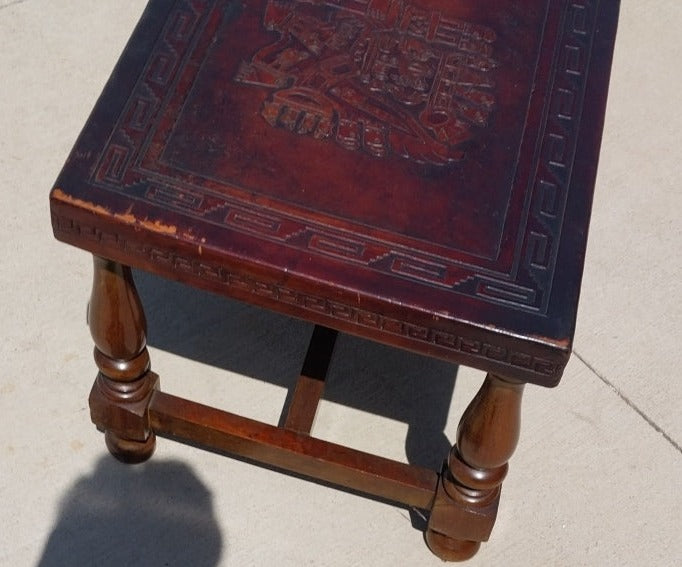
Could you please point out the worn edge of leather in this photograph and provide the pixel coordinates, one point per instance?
(546, 369)
(134, 242)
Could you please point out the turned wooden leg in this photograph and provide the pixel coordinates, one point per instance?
(124, 385)
(465, 505)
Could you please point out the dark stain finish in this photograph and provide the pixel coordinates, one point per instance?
(416, 173)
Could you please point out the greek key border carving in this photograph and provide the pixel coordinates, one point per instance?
(526, 288)
(484, 350)
(559, 145)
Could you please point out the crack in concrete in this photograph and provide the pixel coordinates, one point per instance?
(13, 3)
(630, 403)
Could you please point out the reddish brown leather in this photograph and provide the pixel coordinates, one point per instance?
(419, 173)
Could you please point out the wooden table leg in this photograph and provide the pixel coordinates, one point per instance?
(465, 506)
(122, 391)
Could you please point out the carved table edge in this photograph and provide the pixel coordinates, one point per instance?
(525, 364)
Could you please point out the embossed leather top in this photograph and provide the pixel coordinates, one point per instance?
(416, 172)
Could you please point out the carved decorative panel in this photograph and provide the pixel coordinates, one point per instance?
(375, 77)
(379, 77)
(433, 157)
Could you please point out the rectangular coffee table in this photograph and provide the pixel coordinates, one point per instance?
(416, 173)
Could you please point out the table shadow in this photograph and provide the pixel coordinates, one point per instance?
(267, 346)
(156, 513)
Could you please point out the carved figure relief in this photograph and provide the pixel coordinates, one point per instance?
(378, 76)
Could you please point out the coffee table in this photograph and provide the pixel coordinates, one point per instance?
(415, 173)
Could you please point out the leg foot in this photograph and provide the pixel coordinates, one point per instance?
(128, 450)
(465, 504)
(449, 549)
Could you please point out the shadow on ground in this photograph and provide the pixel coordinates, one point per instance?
(157, 513)
(364, 375)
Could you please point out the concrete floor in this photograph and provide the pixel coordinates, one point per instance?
(596, 478)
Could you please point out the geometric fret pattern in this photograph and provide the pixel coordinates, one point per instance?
(525, 286)
(547, 371)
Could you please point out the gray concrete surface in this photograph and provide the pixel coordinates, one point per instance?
(596, 478)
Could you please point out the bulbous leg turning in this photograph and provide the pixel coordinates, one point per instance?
(466, 500)
(124, 386)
